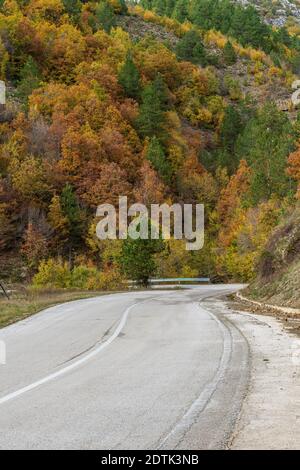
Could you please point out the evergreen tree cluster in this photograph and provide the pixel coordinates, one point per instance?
(129, 78)
(154, 100)
(242, 23)
(191, 48)
(151, 125)
(263, 137)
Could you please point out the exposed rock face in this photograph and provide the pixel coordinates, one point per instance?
(138, 29)
(275, 13)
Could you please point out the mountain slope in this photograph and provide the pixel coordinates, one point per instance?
(104, 101)
(278, 280)
(276, 13)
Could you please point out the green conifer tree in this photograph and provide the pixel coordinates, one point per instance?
(170, 5)
(156, 156)
(159, 6)
(266, 143)
(73, 8)
(151, 117)
(129, 78)
(75, 220)
(105, 16)
(30, 79)
(137, 260)
(123, 9)
(180, 12)
(161, 91)
(229, 54)
(190, 48)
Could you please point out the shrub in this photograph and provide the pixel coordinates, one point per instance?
(81, 276)
(233, 87)
(52, 273)
(57, 274)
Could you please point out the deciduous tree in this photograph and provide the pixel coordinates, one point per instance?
(294, 167)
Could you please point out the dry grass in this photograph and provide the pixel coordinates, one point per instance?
(24, 302)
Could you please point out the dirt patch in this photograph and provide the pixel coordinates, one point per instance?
(137, 29)
(290, 321)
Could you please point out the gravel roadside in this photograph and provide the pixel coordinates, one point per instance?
(270, 416)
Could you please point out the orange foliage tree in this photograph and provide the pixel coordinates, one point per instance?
(294, 167)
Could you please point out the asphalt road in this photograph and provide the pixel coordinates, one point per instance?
(140, 370)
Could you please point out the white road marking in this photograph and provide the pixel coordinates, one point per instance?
(73, 366)
(100, 348)
(199, 405)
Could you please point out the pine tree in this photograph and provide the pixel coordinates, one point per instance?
(157, 158)
(202, 13)
(4, 58)
(170, 5)
(159, 6)
(137, 260)
(185, 46)
(30, 79)
(74, 216)
(70, 207)
(161, 91)
(266, 142)
(151, 118)
(190, 48)
(230, 128)
(129, 78)
(199, 55)
(73, 8)
(229, 54)
(105, 16)
(121, 8)
(180, 12)
(146, 4)
(7, 228)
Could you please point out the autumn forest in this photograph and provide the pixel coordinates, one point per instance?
(160, 101)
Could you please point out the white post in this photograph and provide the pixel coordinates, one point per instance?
(2, 92)
(2, 353)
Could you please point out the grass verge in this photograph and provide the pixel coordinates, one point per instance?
(25, 302)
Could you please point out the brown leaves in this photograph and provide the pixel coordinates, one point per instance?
(294, 167)
(103, 183)
(231, 196)
(150, 189)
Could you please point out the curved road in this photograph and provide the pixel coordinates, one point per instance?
(139, 370)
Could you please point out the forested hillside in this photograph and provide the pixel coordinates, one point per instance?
(278, 12)
(278, 274)
(174, 104)
(243, 22)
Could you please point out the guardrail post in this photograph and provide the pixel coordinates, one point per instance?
(4, 290)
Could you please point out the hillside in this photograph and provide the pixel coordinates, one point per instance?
(279, 268)
(106, 101)
(254, 72)
(278, 12)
